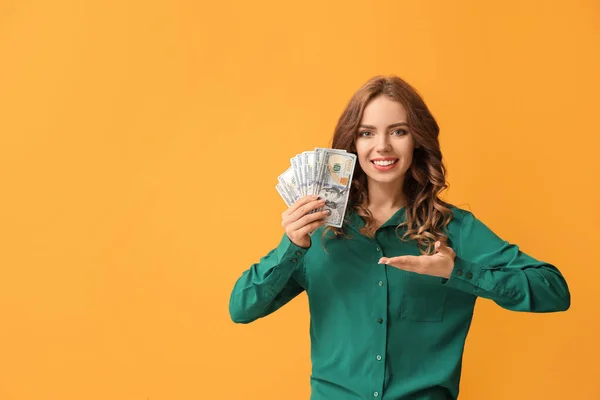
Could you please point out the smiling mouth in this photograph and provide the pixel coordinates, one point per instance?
(385, 163)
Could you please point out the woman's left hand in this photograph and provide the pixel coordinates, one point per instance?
(439, 264)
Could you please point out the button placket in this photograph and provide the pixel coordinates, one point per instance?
(381, 285)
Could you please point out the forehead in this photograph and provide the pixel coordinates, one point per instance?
(383, 111)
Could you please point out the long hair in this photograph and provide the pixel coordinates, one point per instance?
(427, 216)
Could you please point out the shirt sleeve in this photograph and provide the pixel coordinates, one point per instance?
(269, 284)
(492, 268)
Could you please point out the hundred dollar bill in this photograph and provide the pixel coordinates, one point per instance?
(295, 161)
(309, 166)
(335, 179)
(319, 153)
(288, 180)
(301, 168)
(284, 195)
(317, 172)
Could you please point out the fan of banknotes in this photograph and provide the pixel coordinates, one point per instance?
(324, 172)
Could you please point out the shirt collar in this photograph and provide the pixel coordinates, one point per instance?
(356, 222)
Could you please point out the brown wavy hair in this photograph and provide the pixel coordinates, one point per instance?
(427, 216)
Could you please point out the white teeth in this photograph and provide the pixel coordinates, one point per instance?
(384, 163)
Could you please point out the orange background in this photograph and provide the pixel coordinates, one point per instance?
(140, 144)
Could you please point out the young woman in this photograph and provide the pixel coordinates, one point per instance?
(391, 293)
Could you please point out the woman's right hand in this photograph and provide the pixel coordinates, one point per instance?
(298, 222)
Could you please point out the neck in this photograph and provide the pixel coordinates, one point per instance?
(387, 196)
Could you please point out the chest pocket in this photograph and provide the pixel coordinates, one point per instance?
(423, 298)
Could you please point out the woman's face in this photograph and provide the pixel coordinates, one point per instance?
(383, 143)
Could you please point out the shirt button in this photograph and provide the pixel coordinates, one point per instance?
(469, 275)
(459, 272)
(380, 320)
(378, 249)
(294, 260)
(376, 394)
(380, 283)
(298, 253)
(378, 357)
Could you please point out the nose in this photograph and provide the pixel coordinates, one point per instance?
(383, 144)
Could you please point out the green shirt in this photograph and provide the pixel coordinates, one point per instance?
(378, 332)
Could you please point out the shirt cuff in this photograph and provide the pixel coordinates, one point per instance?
(288, 252)
(465, 276)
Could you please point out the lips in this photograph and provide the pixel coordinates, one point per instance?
(384, 164)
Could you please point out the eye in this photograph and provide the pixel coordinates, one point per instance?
(364, 133)
(402, 132)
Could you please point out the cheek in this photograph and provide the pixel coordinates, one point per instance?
(364, 162)
(406, 162)
(406, 153)
(361, 155)
(360, 150)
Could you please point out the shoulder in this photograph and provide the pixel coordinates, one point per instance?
(465, 227)
(460, 217)
(459, 213)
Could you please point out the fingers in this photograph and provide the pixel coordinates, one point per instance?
(304, 209)
(299, 231)
(299, 222)
(308, 219)
(407, 263)
(299, 203)
(306, 229)
(443, 249)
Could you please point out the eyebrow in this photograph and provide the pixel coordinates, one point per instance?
(390, 126)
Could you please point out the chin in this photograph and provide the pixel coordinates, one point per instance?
(386, 179)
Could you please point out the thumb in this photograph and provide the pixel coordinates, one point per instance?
(441, 247)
